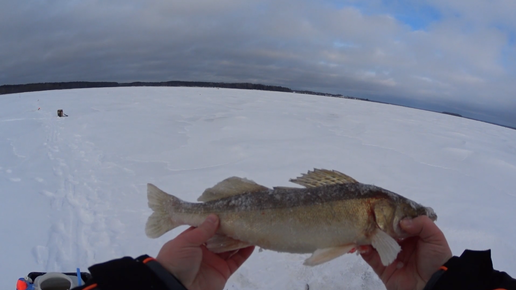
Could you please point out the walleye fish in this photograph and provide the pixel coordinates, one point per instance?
(332, 215)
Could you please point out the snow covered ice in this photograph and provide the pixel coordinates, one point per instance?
(74, 189)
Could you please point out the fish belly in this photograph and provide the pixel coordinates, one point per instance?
(300, 229)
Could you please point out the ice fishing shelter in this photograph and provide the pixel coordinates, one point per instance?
(60, 113)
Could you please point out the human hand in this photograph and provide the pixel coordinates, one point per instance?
(195, 266)
(421, 256)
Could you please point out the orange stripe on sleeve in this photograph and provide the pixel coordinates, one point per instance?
(443, 268)
(21, 285)
(148, 260)
(90, 287)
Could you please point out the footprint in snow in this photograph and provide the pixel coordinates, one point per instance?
(40, 254)
(48, 193)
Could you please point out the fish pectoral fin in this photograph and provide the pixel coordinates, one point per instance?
(320, 177)
(221, 244)
(229, 187)
(386, 246)
(324, 255)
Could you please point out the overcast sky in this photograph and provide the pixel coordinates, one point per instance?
(444, 55)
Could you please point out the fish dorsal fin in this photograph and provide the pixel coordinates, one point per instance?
(229, 187)
(284, 188)
(320, 177)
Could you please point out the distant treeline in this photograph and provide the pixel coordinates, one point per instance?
(453, 114)
(320, 94)
(12, 89)
(460, 116)
(23, 88)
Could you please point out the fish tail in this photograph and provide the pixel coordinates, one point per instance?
(161, 220)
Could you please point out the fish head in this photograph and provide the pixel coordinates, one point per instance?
(389, 213)
(410, 209)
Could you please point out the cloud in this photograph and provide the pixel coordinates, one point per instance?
(424, 52)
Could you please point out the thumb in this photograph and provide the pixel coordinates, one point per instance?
(203, 232)
(422, 227)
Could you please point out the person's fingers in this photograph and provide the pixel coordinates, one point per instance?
(202, 233)
(424, 228)
(372, 258)
(236, 260)
(433, 250)
(186, 231)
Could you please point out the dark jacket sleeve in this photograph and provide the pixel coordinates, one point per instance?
(127, 273)
(473, 270)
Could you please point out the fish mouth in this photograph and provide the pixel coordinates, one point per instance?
(431, 213)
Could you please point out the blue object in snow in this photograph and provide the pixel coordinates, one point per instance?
(78, 277)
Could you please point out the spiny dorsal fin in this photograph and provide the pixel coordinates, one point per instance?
(229, 187)
(320, 177)
(284, 188)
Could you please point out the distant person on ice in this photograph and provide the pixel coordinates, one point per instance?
(425, 262)
(60, 113)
